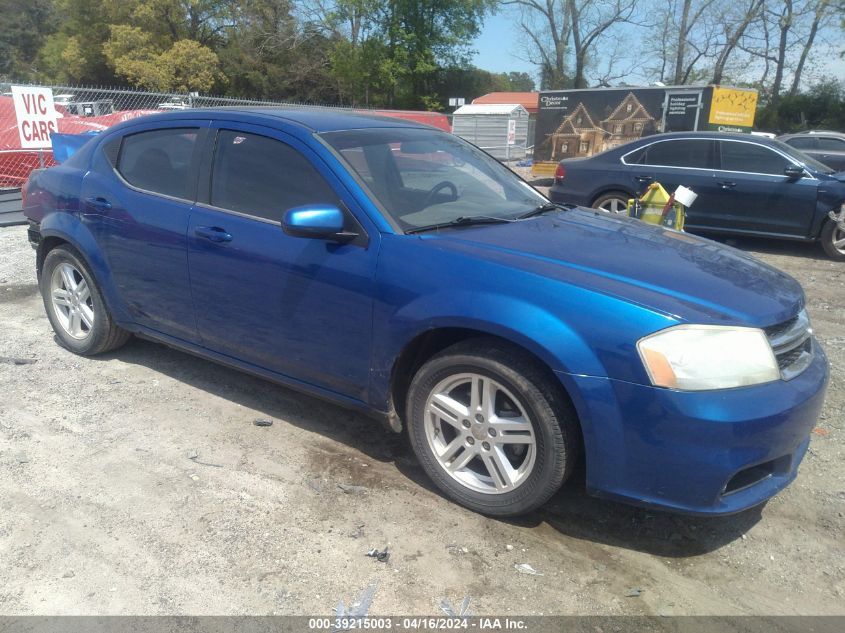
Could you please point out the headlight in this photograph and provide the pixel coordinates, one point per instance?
(699, 357)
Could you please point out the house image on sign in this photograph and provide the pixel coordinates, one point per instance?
(628, 122)
(577, 135)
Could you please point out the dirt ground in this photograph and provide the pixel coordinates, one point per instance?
(137, 483)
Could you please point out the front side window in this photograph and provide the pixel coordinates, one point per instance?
(692, 153)
(263, 177)
(751, 158)
(422, 177)
(158, 161)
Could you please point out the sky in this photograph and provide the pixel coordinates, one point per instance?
(498, 47)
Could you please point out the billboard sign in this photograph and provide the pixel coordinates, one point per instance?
(576, 123)
(732, 108)
(36, 116)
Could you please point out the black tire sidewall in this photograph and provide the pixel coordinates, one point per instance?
(547, 475)
(102, 321)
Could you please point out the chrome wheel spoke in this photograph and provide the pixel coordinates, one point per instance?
(86, 315)
(483, 397)
(61, 297)
(66, 272)
(75, 325)
(839, 243)
(462, 460)
(449, 410)
(500, 469)
(82, 291)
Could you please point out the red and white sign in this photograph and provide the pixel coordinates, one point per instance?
(36, 115)
(511, 132)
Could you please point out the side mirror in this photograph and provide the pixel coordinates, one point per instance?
(793, 172)
(317, 221)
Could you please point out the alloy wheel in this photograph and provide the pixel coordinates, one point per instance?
(480, 434)
(72, 301)
(614, 205)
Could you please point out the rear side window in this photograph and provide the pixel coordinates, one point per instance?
(264, 177)
(831, 144)
(159, 160)
(697, 154)
(751, 158)
(802, 142)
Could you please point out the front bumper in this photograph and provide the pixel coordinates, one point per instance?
(709, 452)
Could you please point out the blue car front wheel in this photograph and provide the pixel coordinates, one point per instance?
(491, 428)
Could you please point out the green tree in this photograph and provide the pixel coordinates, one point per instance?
(184, 66)
(24, 28)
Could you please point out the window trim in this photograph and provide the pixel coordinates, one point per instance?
(807, 174)
(193, 168)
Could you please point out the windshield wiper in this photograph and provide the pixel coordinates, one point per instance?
(544, 208)
(460, 221)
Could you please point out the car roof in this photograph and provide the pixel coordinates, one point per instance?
(737, 136)
(815, 133)
(314, 118)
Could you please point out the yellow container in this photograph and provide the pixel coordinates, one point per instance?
(650, 208)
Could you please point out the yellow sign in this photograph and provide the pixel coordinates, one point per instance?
(733, 107)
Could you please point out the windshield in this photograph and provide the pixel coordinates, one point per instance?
(425, 177)
(802, 158)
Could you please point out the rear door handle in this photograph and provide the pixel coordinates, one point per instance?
(644, 179)
(98, 202)
(213, 233)
(726, 184)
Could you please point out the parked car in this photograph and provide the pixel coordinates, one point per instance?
(746, 185)
(826, 147)
(396, 269)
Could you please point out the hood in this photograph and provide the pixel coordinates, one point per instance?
(687, 277)
(840, 176)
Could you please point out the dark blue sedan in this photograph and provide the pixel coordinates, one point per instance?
(746, 185)
(398, 270)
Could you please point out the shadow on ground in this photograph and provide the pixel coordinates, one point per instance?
(571, 513)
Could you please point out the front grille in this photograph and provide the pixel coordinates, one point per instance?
(792, 344)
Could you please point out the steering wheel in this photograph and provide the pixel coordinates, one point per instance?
(443, 184)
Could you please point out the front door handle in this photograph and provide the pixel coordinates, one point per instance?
(213, 233)
(726, 184)
(98, 202)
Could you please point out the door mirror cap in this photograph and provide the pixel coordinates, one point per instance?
(794, 172)
(316, 221)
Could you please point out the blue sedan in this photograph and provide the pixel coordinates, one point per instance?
(746, 185)
(398, 270)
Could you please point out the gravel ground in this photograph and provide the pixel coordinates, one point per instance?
(137, 483)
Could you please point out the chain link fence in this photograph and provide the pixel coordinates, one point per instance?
(85, 109)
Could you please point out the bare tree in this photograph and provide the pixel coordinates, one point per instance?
(551, 25)
(735, 27)
(822, 14)
(591, 21)
(547, 27)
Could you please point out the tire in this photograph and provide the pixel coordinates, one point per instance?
(606, 200)
(831, 233)
(534, 428)
(75, 306)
